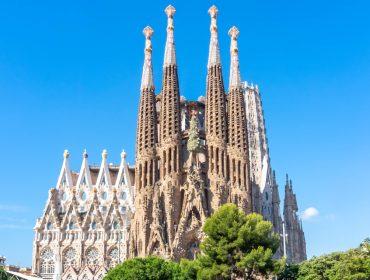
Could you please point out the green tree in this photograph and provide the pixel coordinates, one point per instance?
(237, 246)
(3, 275)
(351, 265)
(290, 272)
(150, 268)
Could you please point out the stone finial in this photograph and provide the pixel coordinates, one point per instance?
(85, 155)
(170, 11)
(123, 154)
(213, 11)
(66, 154)
(235, 79)
(147, 75)
(233, 32)
(148, 32)
(169, 53)
(214, 49)
(104, 154)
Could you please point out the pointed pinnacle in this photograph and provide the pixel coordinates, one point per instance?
(148, 32)
(233, 32)
(104, 154)
(170, 10)
(213, 11)
(123, 154)
(66, 154)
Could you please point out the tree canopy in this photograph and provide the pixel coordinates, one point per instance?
(353, 264)
(237, 245)
(150, 268)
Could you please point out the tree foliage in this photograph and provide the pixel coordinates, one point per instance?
(150, 268)
(237, 245)
(353, 264)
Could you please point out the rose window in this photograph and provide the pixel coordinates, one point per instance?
(92, 257)
(113, 257)
(69, 258)
(47, 254)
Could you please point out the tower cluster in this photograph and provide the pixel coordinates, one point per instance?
(198, 154)
(191, 158)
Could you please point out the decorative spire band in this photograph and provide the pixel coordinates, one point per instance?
(169, 54)
(214, 49)
(235, 80)
(147, 77)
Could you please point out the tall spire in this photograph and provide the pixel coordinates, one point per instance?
(170, 131)
(170, 122)
(146, 157)
(147, 133)
(147, 77)
(238, 135)
(214, 49)
(235, 80)
(216, 119)
(170, 54)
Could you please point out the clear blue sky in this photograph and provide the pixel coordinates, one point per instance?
(70, 75)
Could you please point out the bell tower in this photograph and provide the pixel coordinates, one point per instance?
(215, 120)
(240, 190)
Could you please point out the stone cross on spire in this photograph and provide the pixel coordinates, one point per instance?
(214, 49)
(169, 54)
(147, 77)
(235, 80)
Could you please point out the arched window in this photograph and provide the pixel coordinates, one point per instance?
(93, 225)
(104, 195)
(43, 267)
(49, 226)
(71, 225)
(83, 196)
(113, 257)
(123, 195)
(47, 262)
(69, 258)
(116, 225)
(92, 257)
(193, 250)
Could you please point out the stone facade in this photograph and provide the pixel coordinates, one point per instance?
(207, 153)
(191, 157)
(84, 227)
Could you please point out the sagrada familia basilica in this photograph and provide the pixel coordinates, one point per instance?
(191, 157)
